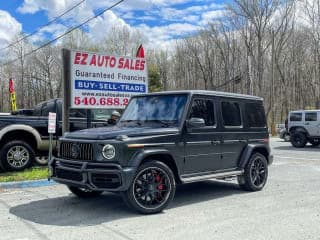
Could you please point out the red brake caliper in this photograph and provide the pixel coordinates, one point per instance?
(159, 180)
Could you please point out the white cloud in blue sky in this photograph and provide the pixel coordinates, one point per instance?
(162, 21)
(9, 27)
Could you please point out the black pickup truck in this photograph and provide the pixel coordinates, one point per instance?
(24, 137)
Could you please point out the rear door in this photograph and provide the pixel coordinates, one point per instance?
(295, 119)
(311, 122)
(233, 137)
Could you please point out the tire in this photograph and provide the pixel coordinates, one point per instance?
(255, 173)
(298, 139)
(315, 142)
(16, 156)
(41, 160)
(152, 188)
(84, 193)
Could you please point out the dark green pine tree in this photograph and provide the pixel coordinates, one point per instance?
(154, 84)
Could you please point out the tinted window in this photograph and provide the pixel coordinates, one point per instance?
(44, 110)
(295, 117)
(78, 113)
(37, 110)
(202, 108)
(231, 114)
(104, 114)
(255, 115)
(51, 106)
(155, 109)
(312, 116)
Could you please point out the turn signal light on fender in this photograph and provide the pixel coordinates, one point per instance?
(135, 145)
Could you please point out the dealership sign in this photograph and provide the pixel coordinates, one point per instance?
(100, 80)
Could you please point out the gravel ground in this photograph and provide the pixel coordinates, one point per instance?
(287, 208)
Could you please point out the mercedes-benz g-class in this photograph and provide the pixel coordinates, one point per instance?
(164, 139)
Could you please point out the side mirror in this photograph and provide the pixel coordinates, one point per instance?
(196, 123)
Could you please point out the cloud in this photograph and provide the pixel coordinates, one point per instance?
(54, 8)
(212, 15)
(9, 28)
(163, 37)
(160, 21)
(101, 26)
(48, 32)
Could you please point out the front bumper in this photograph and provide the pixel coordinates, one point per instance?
(91, 175)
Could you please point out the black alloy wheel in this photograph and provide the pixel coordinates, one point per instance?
(258, 172)
(255, 173)
(152, 188)
(298, 139)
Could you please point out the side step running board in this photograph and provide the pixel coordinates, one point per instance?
(210, 176)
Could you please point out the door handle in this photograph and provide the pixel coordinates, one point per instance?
(214, 142)
(307, 123)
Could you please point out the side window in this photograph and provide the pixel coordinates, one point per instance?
(295, 117)
(51, 107)
(203, 108)
(45, 110)
(79, 113)
(311, 117)
(231, 114)
(255, 115)
(37, 110)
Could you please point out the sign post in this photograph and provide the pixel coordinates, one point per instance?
(52, 121)
(66, 89)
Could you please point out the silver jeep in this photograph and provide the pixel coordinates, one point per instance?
(304, 127)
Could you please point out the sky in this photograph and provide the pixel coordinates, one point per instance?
(161, 21)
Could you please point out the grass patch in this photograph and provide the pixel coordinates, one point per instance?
(34, 173)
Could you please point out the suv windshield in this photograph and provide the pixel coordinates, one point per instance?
(163, 110)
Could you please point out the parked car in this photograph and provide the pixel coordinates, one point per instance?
(24, 137)
(283, 131)
(279, 127)
(285, 135)
(164, 139)
(304, 127)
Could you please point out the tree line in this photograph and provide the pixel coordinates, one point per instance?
(268, 48)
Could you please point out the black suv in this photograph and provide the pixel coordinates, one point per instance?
(164, 139)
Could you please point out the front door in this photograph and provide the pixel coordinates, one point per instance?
(202, 144)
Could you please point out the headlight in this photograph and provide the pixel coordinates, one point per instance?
(108, 151)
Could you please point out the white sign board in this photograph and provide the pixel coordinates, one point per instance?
(52, 120)
(100, 80)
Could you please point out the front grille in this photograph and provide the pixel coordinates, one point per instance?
(77, 151)
(69, 175)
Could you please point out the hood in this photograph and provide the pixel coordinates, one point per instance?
(105, 133)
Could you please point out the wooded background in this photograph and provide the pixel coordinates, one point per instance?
(268, 48)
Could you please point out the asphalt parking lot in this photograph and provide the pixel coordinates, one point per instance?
(287, 208)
